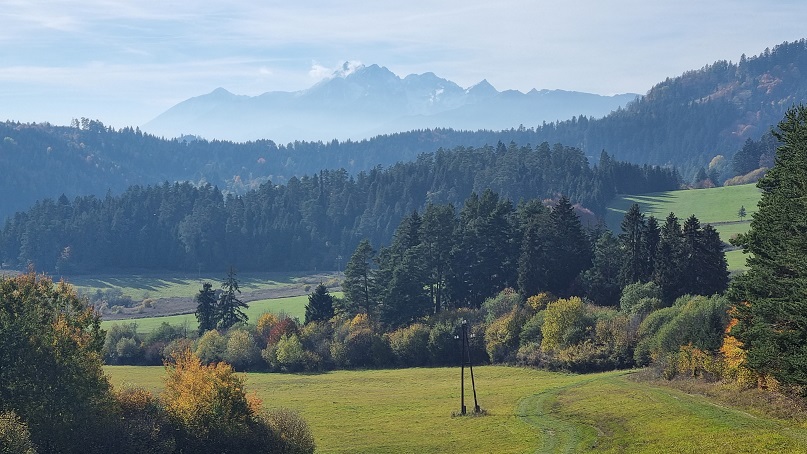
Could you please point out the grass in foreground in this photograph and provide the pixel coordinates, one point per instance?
(409, 410)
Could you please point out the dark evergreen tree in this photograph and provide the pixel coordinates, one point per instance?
(570, 250)
(535, 257)
(632, 244)
(481, 264)
(406, 298)
(771, 297)
(359, 284)
(601, 281)
(651, 238)
(320, 305)
(206, 308)
(714, 276)
(229, 306)
(668, 273)
(439, 223)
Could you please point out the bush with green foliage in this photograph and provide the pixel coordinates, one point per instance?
(502, 336)
(696, 321)
(640, 298)
(410, 345)
(211, 347)
(122, 344)
(501, 304)
(566, 322)
(292, 356)
(241, 350)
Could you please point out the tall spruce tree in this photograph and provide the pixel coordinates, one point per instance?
(714, 276)
(206, 308)
(320, 305)
(771, 297)
(359, 284)
(651, 238)
(601, 281)
(439, 222)
(570, 248)
(535, 257)
(668, 271)
(632, 243)
(230, 306)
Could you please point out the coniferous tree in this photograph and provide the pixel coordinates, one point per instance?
(439, 222)
(206, 308)
(230, 307)
(651, 238)
(771, 297)
(480, 260)
(714, 276)
(359, 284)
(668, 271)
(601, 281)
(632, 243)
(535, 257)
(406, 297)
(320, 305)
(570, 248)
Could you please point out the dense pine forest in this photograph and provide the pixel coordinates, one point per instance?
(307, 223)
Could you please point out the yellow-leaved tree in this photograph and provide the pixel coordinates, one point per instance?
(208, 401)
(210, 406)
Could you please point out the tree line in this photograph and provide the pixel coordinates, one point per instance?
(440, 259)
(305, 224)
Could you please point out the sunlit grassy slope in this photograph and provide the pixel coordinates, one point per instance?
(716, 206)
(410, 411)
(141, 286)
(293, 306)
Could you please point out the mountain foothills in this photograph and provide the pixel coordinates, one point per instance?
(364, 101)
(688, 122)
(308, 222)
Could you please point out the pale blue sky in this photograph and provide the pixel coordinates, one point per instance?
(124, 62)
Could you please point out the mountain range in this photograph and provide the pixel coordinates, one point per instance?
(365, 101)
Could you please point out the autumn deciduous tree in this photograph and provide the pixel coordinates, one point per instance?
(50, 363)
(211, 406)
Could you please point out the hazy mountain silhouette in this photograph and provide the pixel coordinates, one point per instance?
(365, 101)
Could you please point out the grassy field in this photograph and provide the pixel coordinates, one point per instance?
(294, 306)
(716, 206)
(142, 286)
(409, 410)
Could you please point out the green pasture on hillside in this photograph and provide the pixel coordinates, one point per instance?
(142, 286)
(712, 206)
(716, 206)
(410, 411)
(294, 306)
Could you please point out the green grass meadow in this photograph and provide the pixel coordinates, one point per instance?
(294, 306)
(716, 206)
(142, 286)
(410, 411)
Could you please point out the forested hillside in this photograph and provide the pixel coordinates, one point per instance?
(688, 120)
(308, 222)
(684, 121)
